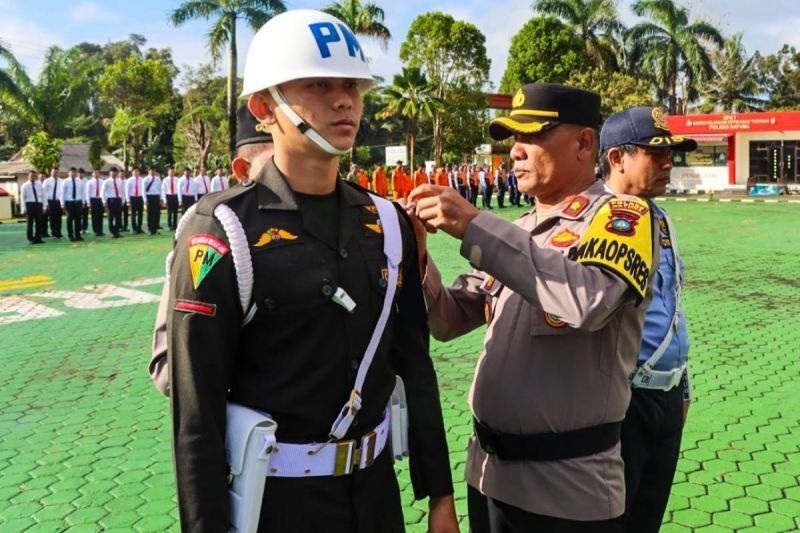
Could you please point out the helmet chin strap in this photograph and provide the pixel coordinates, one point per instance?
(302, 125)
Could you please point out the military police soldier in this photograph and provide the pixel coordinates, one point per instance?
(636, 148)
(319, 280)
(562, 290)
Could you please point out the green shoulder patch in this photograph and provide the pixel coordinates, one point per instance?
(205, 251)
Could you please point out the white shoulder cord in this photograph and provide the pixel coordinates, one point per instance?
(302, 125)
(393, 250)
(240, 251)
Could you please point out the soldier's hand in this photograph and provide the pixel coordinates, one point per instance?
(442, 515)
(443, 208)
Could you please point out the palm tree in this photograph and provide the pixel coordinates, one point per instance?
(363, 18)
(670, 47)
(735, 85)
(128, 130)
(225, 13)
(59, 96)
(410, 96)
(595, 21)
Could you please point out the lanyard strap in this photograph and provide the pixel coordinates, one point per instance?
(393, 250)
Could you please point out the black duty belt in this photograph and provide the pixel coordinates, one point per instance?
(548, 446)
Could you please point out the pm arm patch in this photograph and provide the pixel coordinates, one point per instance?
(620, 239)
(205, 251)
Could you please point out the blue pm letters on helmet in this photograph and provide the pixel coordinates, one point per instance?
(325, 33)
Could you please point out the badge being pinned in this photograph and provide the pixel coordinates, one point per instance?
(565, 239)
(205, 251)
(274, 235)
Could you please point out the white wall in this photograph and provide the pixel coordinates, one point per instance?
(705, 178)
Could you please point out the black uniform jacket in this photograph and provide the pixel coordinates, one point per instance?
(298, 358)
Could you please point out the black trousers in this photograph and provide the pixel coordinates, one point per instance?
(125, 209)
(172, 211)
(513, 195)
(487, 196)
(74, 213)
(96, 209)
(153, 213)
(137, 212)
(501, 195)
(33, 216)
(114, 215)
(472, 194)
(85, 217)
(54, 213)
(367, 501)
(186, 203)
(651, 443)
(487, 515)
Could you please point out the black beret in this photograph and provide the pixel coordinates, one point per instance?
(249, 130)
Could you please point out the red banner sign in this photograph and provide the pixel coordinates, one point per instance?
(734, 123)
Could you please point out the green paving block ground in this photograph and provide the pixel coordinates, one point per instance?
(84, 437)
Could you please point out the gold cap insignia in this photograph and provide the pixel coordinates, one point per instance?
(660, 118)
(519, 99)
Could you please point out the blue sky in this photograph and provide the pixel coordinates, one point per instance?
(29, 27)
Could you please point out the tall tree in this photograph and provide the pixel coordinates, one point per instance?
(618, 91)
(198, 131)
(779, 74)
(410, 96)
(224, 14)
(734, 86)
(546, 50)
(596, 22)
(669, 47)
(364, 18)
(452, 53)
(128, 130)
(59, 95)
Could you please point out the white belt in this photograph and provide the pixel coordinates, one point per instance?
(335, 458)
(657, 379)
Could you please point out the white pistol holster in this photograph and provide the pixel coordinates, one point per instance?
(249, 439)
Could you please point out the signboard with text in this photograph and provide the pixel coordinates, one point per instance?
(734, 123)
(395, 154)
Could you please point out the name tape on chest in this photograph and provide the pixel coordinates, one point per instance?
(205, 251)
(619, 239)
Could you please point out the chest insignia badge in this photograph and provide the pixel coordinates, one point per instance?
(553, 321)
(274, 235)
(565, 239)
(375, 227)
(205, 251)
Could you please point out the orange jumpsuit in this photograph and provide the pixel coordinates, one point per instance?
(379, 179)
(420, 178)
(363, 179)
(401, 183)
(441, 178)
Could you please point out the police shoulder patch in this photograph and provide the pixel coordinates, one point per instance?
(205, 251)
(620, 239)
(564, 239)
(576, 206)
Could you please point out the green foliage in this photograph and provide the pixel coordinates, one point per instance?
(364, 18)
(734, 86)
(200, 132)
(142, 86)
(780, 75)
(95, 152)
(668, 47)
(596, 22)
(42, 151)
(128, 130)
(452, 54)
(544, 50)
(618, 91)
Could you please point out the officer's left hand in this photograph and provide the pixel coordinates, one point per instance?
(443, 208)
(442, 515)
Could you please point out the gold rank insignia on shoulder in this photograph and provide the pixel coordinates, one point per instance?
(274, 235)
(371, 209)
(576, 206)
(205, 251)
(565, 239)
(375, 227)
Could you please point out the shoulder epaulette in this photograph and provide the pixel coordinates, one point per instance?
(209, 202)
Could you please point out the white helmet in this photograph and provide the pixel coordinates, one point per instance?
(303, 43)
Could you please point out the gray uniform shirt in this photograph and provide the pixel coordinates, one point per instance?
(561, 341)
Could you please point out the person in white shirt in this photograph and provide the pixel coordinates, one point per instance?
(169, 194)
(152, 190)
(52, 193)
(220, 181)
(135, 194)
(31, 196)
(187, 190)
(113, 196)
(72, 201)
(94, 198)
(203, 183)
(84, 203)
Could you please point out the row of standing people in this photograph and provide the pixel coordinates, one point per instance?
(471, 182)
(45, 200)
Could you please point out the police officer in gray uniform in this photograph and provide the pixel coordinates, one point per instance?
(636, 148)
(564, 290)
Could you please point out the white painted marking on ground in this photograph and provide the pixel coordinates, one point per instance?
(143, 282)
